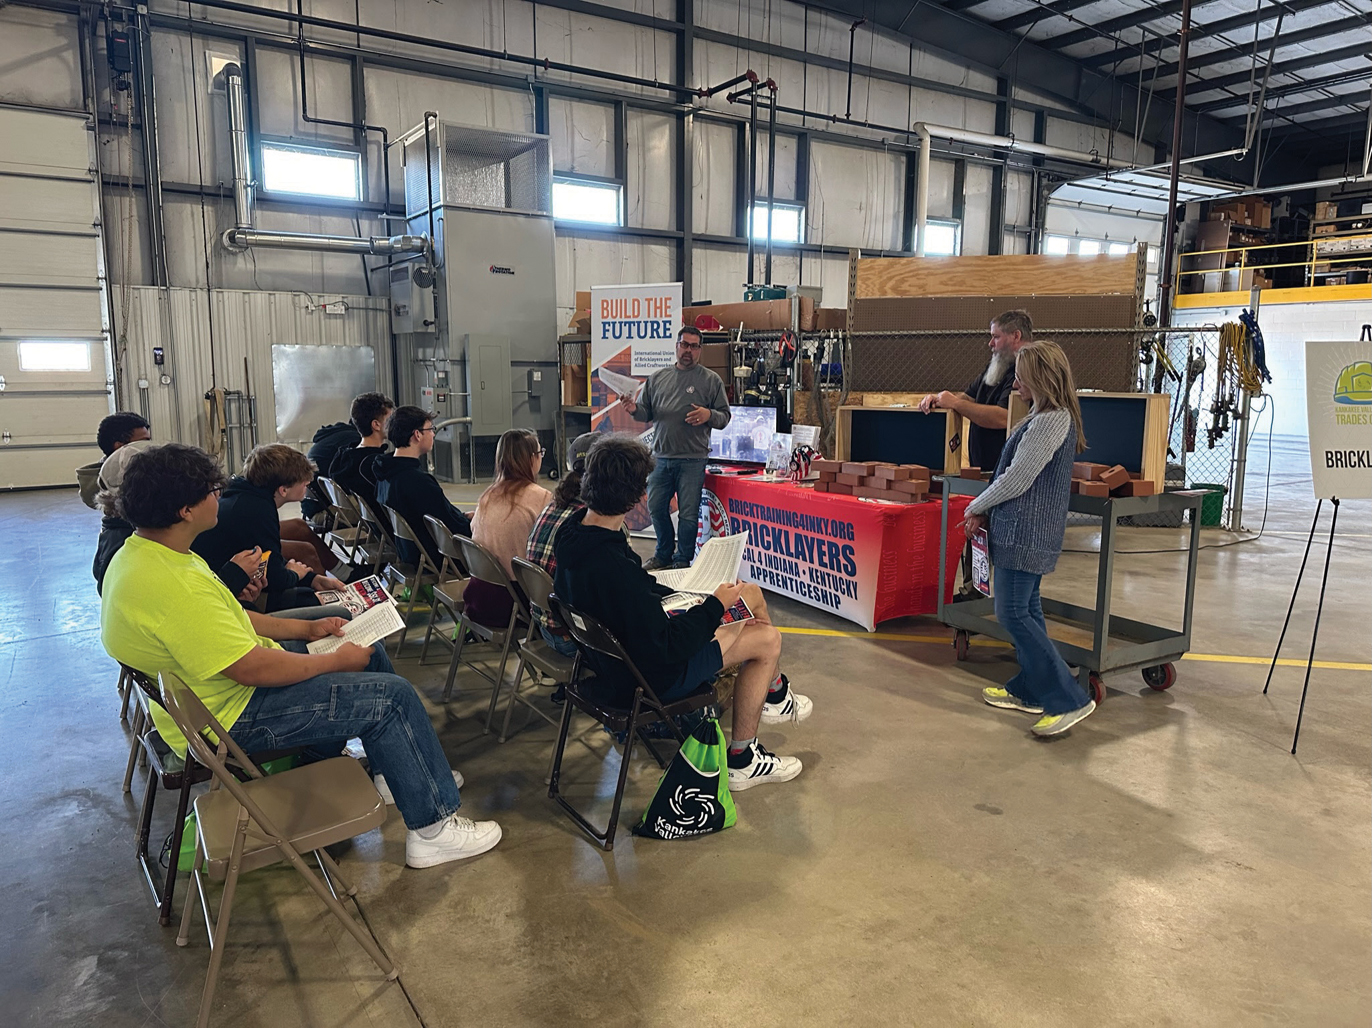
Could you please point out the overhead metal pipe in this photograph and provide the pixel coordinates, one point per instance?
(926, 133)
(238, 146)
(243, 235)
(243, 238)
(752, 182)
(771, 177)
(1169, 243)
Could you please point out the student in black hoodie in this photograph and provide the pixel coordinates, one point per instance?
(598, 574)
(273, 475)
(327, 444)
(351, 468)
(403, 485)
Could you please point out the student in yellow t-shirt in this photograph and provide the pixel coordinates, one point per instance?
(163, 609)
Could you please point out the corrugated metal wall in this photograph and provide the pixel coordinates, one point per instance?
(246, 325)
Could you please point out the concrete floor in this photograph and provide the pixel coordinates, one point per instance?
(1167, 863)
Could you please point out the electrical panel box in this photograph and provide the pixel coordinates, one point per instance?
(489, 386)
(412, 303)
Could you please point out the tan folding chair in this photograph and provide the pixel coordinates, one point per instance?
(406, 575)
(534, 650)
(482, 565)
(243, 826)
(452, 580)
(350, 534)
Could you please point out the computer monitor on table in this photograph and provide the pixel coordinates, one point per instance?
(747, 437)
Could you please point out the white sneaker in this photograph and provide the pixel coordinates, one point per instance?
(380, 782)
(762, 767)
(459, 838)
(791, 707)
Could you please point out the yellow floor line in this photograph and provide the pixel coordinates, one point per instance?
(1214, 658)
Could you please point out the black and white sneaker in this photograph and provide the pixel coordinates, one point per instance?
(757, 766)
(786, 705)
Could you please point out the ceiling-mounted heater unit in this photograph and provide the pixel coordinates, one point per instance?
(486, 195)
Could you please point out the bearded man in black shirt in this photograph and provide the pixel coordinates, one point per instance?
(986, 401)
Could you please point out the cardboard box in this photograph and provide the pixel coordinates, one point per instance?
(1136, 487)
(581, 313)
(1089, 472)
(1326, 230)
(575, 385)
(1325, 209)
(858, 468)
(831, 319)
(1115, 477)
(757, 314)
(716, 357)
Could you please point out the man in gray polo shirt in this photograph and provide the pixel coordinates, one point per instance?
(685, 402)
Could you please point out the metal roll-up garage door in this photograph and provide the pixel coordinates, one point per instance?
(55, 376)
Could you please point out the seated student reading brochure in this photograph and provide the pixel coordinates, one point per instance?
(598, 574)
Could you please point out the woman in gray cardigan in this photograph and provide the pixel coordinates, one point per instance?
(1026, 507)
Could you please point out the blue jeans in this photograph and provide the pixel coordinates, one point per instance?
(565, 646)
(1043, 678)
(376, 705)
(684, 478)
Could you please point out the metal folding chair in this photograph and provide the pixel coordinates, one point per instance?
(482, 565)
(534, 651)
(410, 576)
(243, 826)
(350, 535)
(447, 591)
(644, 709)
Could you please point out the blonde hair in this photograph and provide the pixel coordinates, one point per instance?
(1043, 369)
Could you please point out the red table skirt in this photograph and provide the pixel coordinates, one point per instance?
(864, 560)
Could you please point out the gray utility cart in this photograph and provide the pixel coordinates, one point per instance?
(1117, 643)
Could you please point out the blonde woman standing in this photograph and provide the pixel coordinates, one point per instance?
(1024, 511)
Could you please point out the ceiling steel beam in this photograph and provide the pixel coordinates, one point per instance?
(1341, 121)
(1330, 30)
(1280, 68)
(1030, 66)
(1037, 14)
(1157, 44)
(1293, 89)
(1133, 19)
(1325, 103)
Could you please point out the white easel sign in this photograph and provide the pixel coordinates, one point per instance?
(1338, 404)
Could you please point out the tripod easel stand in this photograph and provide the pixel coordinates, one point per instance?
(1319, 609)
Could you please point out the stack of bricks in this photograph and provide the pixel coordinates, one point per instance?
(897, 483)
(1102, 481)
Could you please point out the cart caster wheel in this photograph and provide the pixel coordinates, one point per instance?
(960, 644)
(1096, 688)
(1160, 676)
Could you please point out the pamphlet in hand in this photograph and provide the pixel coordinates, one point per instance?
(678, 602)
(981, 562)
(624, 385)
(359, 596)
(364, 630)
(374, 614)
(717, 562)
